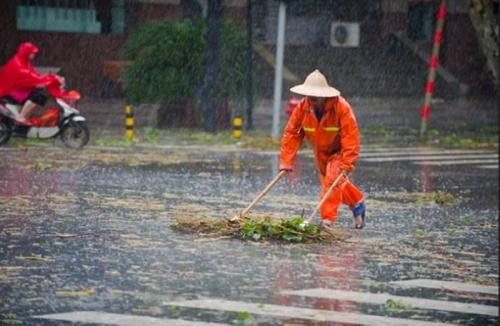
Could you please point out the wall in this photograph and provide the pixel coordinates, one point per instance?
(79, 55)
(460, 52)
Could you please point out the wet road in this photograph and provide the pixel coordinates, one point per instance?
(89, 231)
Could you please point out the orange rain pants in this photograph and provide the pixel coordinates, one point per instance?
(336, 144)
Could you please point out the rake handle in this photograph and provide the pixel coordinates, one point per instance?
(263, 193)
(325, 197)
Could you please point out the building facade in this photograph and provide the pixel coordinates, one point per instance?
(365, 47)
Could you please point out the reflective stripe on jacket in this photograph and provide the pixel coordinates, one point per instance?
(336, 136)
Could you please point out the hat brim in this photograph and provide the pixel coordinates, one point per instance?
(315, 91)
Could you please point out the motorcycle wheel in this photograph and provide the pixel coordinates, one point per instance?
(5, 131)
(75, 134)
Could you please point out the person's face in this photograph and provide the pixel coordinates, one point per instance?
(32, 56)
(318, 102)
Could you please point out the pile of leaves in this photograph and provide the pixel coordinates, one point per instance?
(258, 229)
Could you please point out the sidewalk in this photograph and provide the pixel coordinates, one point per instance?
(399, 114)
(381, 116)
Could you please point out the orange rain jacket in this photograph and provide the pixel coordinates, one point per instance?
(336, 137)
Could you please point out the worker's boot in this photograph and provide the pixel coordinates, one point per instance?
(359, 213)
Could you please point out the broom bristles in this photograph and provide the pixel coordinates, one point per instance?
(266, 228)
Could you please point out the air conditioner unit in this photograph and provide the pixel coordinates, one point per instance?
(344, 34)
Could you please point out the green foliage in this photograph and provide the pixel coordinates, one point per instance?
(469, 220)
(441, 198)
(174, 309)
(433, 133)
(244, 318)
(392, 304)
(444, 198)
(9, 319)
(256, 229)
(265, 228)
(168, 61)
(484, 137)
(202, 137)
(379, 130)
(113, 142)
(420, 233)
(151, 134)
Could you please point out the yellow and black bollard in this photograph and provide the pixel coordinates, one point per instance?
(237, 123)
(129, 122)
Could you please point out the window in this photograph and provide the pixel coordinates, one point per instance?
(82, 16)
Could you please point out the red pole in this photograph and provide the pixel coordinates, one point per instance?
(433, 64)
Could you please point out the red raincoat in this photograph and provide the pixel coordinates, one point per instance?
(18, 74)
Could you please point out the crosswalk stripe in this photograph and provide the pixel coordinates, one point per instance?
(393, 149)
(492, 166)
(448, 285)
(424, 152)
(297, 312)
(459, 162)
(120, 320)
(381, 298)
(428, 158)
(420, 149)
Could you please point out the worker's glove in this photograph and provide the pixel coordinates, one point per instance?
(286, 168)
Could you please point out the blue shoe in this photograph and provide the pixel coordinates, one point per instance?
(357, 211)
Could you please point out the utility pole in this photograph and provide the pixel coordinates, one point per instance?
(278, 73)
(433, 64)
(212, 67)
(249, 85)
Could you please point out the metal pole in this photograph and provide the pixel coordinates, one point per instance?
(433, 64)
(249, 66)
(278, 73)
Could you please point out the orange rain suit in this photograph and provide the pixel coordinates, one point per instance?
(336, 144)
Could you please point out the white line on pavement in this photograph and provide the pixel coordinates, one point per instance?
(297, 312)
(429, 158)
(492, 166)
(459, 162)
(448, 285)
(381, 298)
(121, 320)
(419, 149)
(424, 152)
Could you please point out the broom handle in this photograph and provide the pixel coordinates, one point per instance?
(325, 197)
(263, 193)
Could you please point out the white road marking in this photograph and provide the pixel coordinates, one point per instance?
(423, 152)
(418, 149)
(429, 158)
(120, 320)
(454, 286)
(459, 162)
(381, 298)
(297, 312)
(394, 149)
(492, 166)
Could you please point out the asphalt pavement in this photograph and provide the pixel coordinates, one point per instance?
(85, 237)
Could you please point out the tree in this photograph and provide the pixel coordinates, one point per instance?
(170, 63)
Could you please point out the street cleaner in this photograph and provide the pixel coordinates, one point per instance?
(328, 122)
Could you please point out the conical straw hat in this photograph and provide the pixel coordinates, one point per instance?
(315, 85)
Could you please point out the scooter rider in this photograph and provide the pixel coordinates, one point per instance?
(20, 81)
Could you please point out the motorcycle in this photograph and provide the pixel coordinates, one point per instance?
(61, 120)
